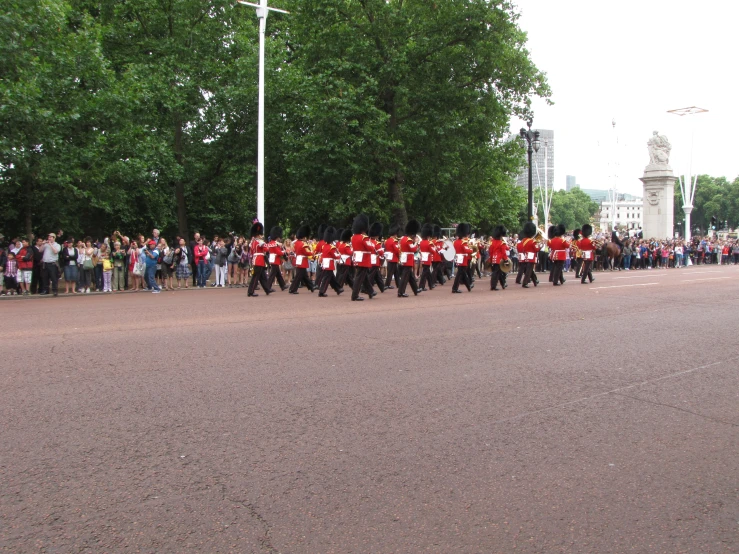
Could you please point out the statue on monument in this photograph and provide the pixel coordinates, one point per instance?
(659, 149)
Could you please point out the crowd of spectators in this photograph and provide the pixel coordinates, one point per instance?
(120, 263)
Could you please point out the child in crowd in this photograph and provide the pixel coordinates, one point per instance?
(11, 274)
(104, 257)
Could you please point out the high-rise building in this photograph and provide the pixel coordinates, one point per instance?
(546, 151)
(572, 183)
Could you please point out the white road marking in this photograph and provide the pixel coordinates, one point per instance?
(705, 279)
(621, 286)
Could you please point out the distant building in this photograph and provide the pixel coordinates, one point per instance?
(546, 149)
(596, 195)
(572, 183)
(628, 212)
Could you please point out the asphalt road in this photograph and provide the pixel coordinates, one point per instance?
(585, 418)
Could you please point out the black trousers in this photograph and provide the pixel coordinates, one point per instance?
(36, 285)
(392, 271)
(529, 273)
(551, 272)
(426, 277)
(259, 275)
(319, 272)
(521, 271)
(361, 282)
(497, 276)
(301, 276)
(587, 271)
(578, 267)
(328, 278)
(462, 277)
(376, 279)
(436, 273)
(558, 267)
(407, 275)
(50, 277)
(344, 275)
(276, 273)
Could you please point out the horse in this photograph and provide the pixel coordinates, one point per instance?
(612, 253)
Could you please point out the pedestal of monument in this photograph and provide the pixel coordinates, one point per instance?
(659, 197)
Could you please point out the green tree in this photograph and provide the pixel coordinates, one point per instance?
(406, 105)
(571, 209)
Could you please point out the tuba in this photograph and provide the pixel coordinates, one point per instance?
(540, 238)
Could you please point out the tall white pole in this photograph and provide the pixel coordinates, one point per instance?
(262, 15)
(546, 185)
(262, 10)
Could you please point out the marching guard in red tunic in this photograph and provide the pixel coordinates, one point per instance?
(408, 248)
(558, 248)
(392, 255)
(302, 255)
(427, 257)
(439, 264)
(362, 248)
(462, 258)
(275, 252)
(376, 256)
(258, 251)
(527, 253)
(588, 254)
(317, 250)
(576, 254)
(329, 255)
(344, 275)
(498, 253)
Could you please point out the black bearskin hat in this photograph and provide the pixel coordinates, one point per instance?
(321, 230)
(499, 231)
(411, 228)
(256, 230)
(463, 230)
(552, 232)
(394, 230)
(275, 232)
(576, 234)
(303, 232)
(587, 230)
(346, 235)
(360, 225)
(427, 231)
(529, 230)
(329, 235)
(375, 229)
(339, 234)
(560, 230)
(437, 232)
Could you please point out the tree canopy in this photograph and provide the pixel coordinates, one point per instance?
(571, 209)
(714, 196)
(143, 113)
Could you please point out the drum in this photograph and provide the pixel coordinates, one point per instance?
(449, 251)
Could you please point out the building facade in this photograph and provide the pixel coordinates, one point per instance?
(546, 152)
(629, 213)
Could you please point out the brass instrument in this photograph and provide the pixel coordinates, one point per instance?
(598, 243)
(506, 265)
(540, 239)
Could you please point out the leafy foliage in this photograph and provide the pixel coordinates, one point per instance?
(571, 209)
(141, 113)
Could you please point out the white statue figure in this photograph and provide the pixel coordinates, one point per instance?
(659, 149)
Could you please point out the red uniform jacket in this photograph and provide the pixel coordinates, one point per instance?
(464, 252)
(392, 252)
(438, 247)
(559, 248)
(275, 252)
(408, 248)
(527, 251)
(258, 249)
(302, 253)
(498, 251)
(319, 249)
(329, 255)
(427, 252)
(379, 253)
(345, 251)
(362, 248)
(587, 248)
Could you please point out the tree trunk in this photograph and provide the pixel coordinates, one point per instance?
(179, 186)
(395, 186)
(28, 208)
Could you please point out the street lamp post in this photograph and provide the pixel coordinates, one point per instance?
(262, 10)
(532, 138)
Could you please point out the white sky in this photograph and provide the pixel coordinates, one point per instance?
(632, 61)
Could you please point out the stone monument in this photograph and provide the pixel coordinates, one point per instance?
(659, 189)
